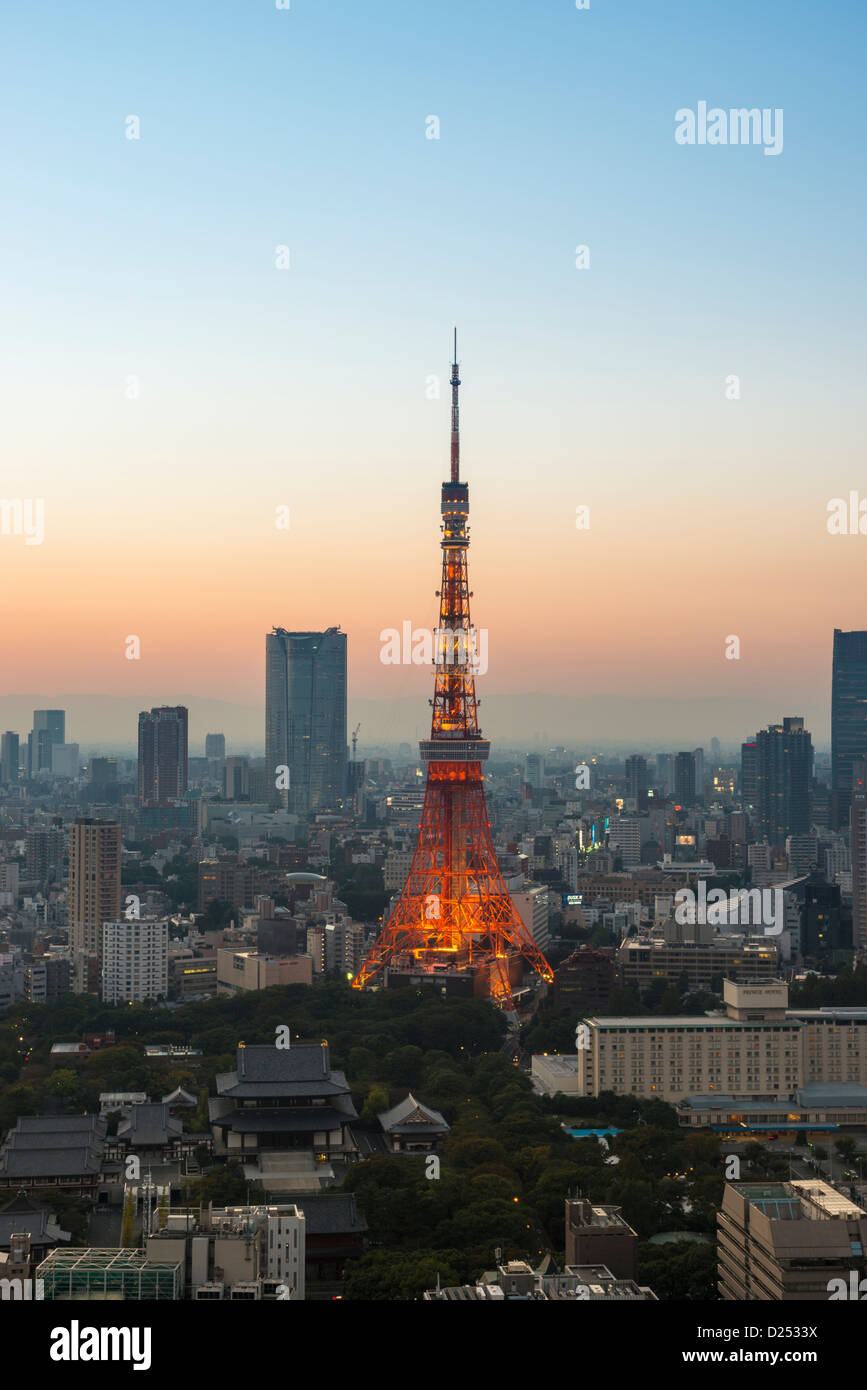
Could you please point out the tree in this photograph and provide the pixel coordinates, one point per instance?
(399, 1275)
(377, 1101)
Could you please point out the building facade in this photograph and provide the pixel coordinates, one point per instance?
(162, 755)
(305, 718)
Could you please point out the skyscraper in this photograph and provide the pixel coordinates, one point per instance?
(858, 844)
(848, 717)
(749, 774)
(305, 717)
(49, 727)
(9, 758)
(215, 745)
(784, 769)
(636, 780)
(94, 894)
(698, 756)
(162, 755)
(684, 779)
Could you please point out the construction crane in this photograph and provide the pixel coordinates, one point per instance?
(355, 742)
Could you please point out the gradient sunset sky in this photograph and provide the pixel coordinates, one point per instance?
(308, 387)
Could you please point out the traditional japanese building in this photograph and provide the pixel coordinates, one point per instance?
(411, 1127)
(282, 1101)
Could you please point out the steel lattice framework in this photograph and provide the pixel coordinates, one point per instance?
(455, 912)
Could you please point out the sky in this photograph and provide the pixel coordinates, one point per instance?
(168, 382)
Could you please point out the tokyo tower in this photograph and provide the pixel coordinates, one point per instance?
(455, 913)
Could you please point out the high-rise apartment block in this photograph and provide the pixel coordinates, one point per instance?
(305, 718)
(94, 892)
(782, 768)
(162, 755)
(858, 848)
(135, 960)
(43, 853)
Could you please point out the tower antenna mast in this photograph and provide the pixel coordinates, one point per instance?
(456, 438)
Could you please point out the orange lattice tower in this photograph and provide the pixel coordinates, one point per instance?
(455, 913)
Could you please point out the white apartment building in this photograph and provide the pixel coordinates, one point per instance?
(624, 836)
(135, 960)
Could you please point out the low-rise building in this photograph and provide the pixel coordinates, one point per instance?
(410, 1127)
(64, 1151)
(518, 1281)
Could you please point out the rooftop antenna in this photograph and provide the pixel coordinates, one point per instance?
(456, 443)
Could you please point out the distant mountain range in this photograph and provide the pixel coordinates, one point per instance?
(110, 722)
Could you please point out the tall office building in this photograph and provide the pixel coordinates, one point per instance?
(9, 758)
(305, 717)
(94, 893)
(215, 745)
(236, 779)
(215, 752)
(162, 755)
(858, 844)
(784, 771)
(698, 756)
(636, 780)
(49, 727)
(534, 771)
(665, 773)
(684, 779)
(848, 717)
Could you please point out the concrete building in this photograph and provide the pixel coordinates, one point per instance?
(857, 792)
(44, 847)
(532, 906)
(643, 960)
(786, 1241)
(239, 971)
(162, 754)
(599, 1235)
(518, 1281)
(227, 881)
(553, 1072)
(94, 894)
(752, 1050)
(396, 869)
(822, 1106)
(9, 758)
(135, 960)
(833, 1045)
(64, 760)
